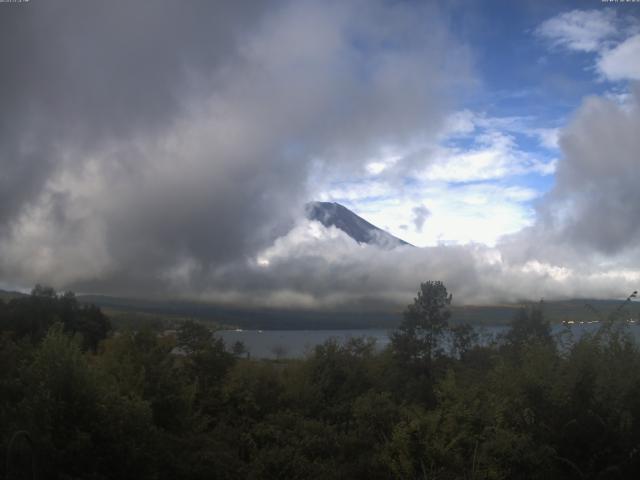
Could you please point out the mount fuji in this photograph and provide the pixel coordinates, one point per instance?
(331, 214)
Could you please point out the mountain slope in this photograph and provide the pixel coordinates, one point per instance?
(331, 214)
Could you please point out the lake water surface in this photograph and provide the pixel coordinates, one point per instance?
(297, 343)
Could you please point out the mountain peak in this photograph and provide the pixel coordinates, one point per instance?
(332, 214)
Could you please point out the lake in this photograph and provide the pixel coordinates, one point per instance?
(297, 343)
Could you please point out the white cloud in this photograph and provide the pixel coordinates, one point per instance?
(381, 163)
(465, 181)
(462, 122)
(623, 61)
(327, 269)
(548, 137)
(465, 123)
(580, 30)
(462, 214)
(356, 190)
(494, 155)
(614, 39)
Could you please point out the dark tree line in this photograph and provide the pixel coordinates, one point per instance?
(32, 316)
(80, 402)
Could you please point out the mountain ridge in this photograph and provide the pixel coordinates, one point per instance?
(333, 214)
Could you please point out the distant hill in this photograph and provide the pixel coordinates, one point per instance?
(7, 295)
(576, 310)
(290, 319)
(137, 311)
(132, 311)
(250, 318)
(331, 214)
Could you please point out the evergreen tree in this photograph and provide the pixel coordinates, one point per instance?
(425, 321)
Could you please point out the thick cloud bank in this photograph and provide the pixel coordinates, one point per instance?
(147, 149)
(592, 210)
(146, 146)
(583, 244)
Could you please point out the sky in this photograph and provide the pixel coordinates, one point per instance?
(168, 148)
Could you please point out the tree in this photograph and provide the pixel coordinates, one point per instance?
(239, 349)
(206, 362)
(31, 316)
(463, 339)
(194, 337)
(424, 323)
(529, 326)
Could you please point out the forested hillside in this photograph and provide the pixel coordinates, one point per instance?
(81, 401)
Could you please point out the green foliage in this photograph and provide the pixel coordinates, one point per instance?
(253, 390)
(79, 425)
(31, 317)
(529, 326)
(425, 322)
(434, 404)
(463, 339)
(193, 337)
(417, 344)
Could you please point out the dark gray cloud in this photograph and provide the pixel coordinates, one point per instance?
(82, 74)
(596, 197)
(592, 211)
(151, 146)
(420, 215)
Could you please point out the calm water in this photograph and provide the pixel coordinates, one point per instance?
(297, 343)
(294, 343)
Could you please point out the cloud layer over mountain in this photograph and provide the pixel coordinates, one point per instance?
(147, 143)
(146, 150)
